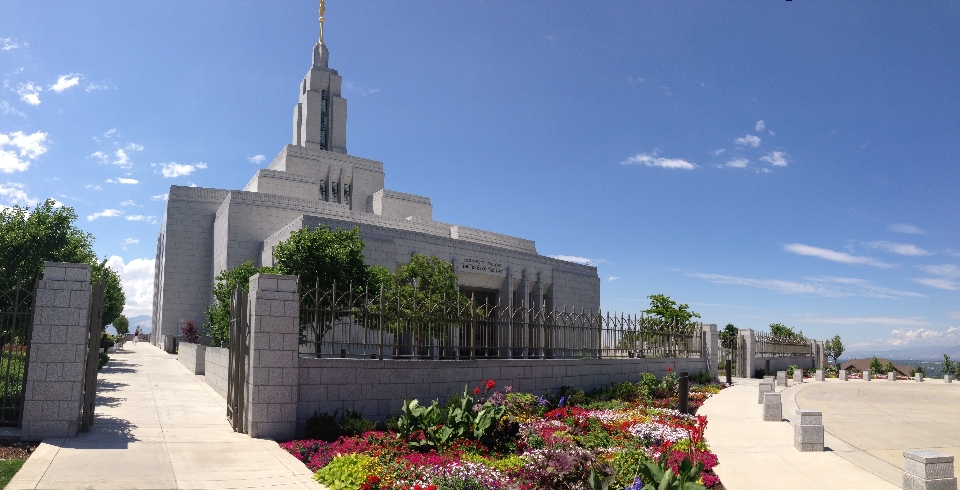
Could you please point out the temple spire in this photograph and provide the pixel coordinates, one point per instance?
(323, 10)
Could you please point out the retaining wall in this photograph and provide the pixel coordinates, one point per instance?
(192, 357)
(378, 388)
(215, 368)
(782, 363)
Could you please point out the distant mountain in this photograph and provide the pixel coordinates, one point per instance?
(144, 321)
(920, 353)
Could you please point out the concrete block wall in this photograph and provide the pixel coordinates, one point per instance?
(378, 388)
(782, 363)
(216, 360)
(58, 352)
(192, 357)
(272, 369)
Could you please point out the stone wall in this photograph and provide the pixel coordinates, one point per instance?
(782, 363)
(58, 352)
(377, 388)
(192, 357)
(216, 360)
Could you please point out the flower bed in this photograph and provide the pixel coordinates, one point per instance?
(615, 438)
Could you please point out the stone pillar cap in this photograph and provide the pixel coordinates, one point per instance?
(810, 412)
(928, 456)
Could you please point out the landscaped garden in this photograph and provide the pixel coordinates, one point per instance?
(627, 436)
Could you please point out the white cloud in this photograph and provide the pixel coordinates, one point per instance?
(780, 286)
(92, 86)
(652, 160)
(106, 213)
(938, 283)
(907, 228)
(6, 44)
(859, 320)
(92, 186)
(65, 82)
(760, 126)
(29, 92)
(948, 280)
(945, 270)
(120, 158)
(925, 336)
(577, 260)
(140, 217)
(865, 288)
(160, 197)
(748, 140)
(831, 287)
(173, 169)
(6, 108)
(15, 194)
(666, 91)
(129, 241)
(136, 277)
(775, 158)
(257, 159)
(899, 248)
(123, 180)
(738, 163)
(24, 147)
(834, 256)
(719, 151)
(612, 278)
(128, 203)
(134, 147)
(351, 87)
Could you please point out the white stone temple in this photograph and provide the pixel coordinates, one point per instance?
(315, 182)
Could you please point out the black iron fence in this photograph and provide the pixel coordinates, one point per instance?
(768, 345)
(16, 322)
(411, 324)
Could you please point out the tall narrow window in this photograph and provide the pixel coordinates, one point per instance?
(323, 190)
(346, 194)
(323, 119)
(335, 191)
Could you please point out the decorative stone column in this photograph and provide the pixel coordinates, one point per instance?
(771, 379)
(58, 352)
(867, 375)
(819, 374)
(808, 431)
(782, 378)
(772, 408)
(749, 349)
(926, 469)
(891, 376)
(918, 377)
(765, 387)
(842, 374)
(798, 375)
(712, 345)
(272, 381)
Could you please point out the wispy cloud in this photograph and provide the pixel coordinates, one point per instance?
(65, 82)
(832, 287)
(612, 278)
(128, 203)
(15, 194)
(948, 276)
(576, 259)
(29, 92)
(350, 87)
(738, 163)
(718, 151)
(861, 320)
(6, 108)
(775, 158)
(123, 180)
(106, 213)
(652, 160)
(834, 256)
(760, 126)
(6, 44)
(173, 169)
(129, 241)
(140, 217)
(923, 336)
(134, 147)
(118, 158)
(160, 197)
(907, 228)
(18, 149)
(898, 248)
(748, 140)
(257, 159)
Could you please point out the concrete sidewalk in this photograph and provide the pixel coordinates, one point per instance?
(759, 455)
(159, 427)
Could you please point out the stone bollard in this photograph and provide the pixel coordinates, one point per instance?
(808, 431)
(925, 469)
(891, 376)
(765, 387)
(770, 379)
(819, 374)
(842, 374)
(798, 375)
(948, 378)
(918, 377)
(772, 408)
(782, 378)
(866, 375)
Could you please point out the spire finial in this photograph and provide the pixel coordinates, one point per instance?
(323, 9)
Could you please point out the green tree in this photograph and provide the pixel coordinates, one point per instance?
(834, 348)
(122, 325)
(728, 337)
(890, 368)
(114, 298)
(218, 313)
(665, 312)
(322, 257)
(876, 366)
(948, 365)
(427, 288)
(784, 333)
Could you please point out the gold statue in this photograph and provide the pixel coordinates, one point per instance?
(323, 9)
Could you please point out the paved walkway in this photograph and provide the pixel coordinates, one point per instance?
(159, 427)
(868, 425)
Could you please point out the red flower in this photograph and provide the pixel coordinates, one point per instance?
(476, 391)
(669, 369)
(490, 384)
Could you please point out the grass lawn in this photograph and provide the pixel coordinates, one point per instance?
(8, 468)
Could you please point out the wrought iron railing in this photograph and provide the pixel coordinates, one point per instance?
(16, 322)
(768, 345)
(362, 323)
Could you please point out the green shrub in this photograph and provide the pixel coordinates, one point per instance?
(323, 426)
(625, 391)
(103, 360)
(353, 424)
(701, 378)
(345, 472)
(791, 369)
(875, 366)
(648, 385)
(662, 477)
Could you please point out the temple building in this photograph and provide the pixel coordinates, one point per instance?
(314, 182)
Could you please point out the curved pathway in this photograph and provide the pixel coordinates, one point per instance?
(159, 427)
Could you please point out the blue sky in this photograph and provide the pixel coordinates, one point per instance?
(790, 162)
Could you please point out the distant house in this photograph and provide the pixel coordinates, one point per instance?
(864, 364)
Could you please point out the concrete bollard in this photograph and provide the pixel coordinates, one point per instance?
(918, 377)
(782, 378)
(808, 431)
(866, 375)
(948, 378)
(772, 408)
(891, 376)
(765, 387)
(798, 375)
(842, 374)
(770, 379)
(819, 374)
(926, 469)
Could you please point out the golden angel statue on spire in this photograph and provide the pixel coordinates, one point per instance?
(323, 9)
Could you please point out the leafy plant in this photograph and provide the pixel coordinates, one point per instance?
(784, 333)
(226, 282)
(876, 366)
(660, 476)
(422, 427)
(834, 348)
(353, 424)
(190, 333)
(890, 368)
(791, 369)
(103, 360)
(345, 472)
(948, 365)
(728, 337)
(664, 311)
(648, 385)
(701, 377)
(323, 426)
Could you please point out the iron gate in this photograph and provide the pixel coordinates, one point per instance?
(236, 370)
(16, 325)
(93, 357)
